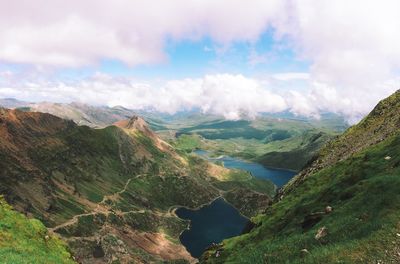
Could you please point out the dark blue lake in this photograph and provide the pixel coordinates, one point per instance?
(210, 224)
(278, 176)
(219, 220)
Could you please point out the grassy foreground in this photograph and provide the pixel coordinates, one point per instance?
(25, 240)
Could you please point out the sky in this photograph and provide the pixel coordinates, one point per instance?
(226, 57)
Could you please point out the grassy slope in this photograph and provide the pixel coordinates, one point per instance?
(353, 175)
(24, 240)
(296, 152)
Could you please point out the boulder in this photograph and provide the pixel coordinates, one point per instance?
(304, 252)
(321, 233)
(328, 209)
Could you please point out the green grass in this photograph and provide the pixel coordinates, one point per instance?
(150, 222)
(161, 193)
(187, 143)
(24, 240)
(258, 185)
(365, 194)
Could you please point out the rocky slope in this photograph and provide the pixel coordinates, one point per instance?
(109, 192)
(82, 114)
(343, 208)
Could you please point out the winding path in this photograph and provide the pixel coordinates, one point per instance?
(100, 208)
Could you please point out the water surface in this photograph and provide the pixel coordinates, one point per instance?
(210, 224)
(219, 220)
(278, 176)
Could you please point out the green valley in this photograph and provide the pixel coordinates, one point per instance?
(289, 142)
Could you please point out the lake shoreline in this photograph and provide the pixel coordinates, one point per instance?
(215, 230)
(232, 155)
(208, 224)
(278, 176)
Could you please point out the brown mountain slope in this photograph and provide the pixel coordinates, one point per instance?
(109, 191)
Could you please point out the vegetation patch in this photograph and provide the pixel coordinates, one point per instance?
(25, 240)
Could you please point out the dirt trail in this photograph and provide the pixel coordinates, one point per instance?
(101, 207)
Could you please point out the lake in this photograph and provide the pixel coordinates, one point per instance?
(219, 220)
(210, 224)
(278, 176)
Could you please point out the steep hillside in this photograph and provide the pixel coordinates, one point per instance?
(25, 240)
(109, 192)
(343, 208)
(310, 142)
(381, 123)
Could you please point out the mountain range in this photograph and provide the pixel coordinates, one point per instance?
(108, 194)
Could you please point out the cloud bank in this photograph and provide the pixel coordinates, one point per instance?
(232, 96)
(353, 48)
(76, 33)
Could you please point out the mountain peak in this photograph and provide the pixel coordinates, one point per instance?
(135, 123)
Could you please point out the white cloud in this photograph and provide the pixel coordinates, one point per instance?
(353, 47)
(348, 42)
(75, 33)
(287, 76)
(232, 96)
(229, 95)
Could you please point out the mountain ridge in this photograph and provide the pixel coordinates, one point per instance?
(382, 122)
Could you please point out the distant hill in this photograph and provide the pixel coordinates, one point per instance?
(281, 140)
(12, 103)
(344, 207)
(273, 142)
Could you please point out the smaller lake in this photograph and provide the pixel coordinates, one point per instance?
(210, 224)
(278, 176)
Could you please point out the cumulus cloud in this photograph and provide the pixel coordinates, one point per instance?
(353, 48)
(348, 42)
(75, 33)
(232, 96)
